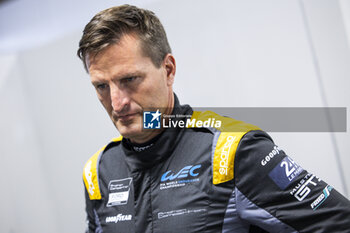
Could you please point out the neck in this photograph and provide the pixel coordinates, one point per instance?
(141, 139)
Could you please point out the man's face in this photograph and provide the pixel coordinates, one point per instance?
(127, 82)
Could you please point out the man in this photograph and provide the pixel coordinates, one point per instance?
(206, 173)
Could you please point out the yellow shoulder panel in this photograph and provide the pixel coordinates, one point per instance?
(90, 174)
(117, 139)
(231, 132)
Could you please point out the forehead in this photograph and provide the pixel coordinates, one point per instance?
(127, 53)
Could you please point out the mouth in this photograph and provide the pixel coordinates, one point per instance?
(126, 117)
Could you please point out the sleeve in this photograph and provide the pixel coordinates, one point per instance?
(276, 194)
(90, 218)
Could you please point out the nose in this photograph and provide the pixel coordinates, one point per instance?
(119, 99)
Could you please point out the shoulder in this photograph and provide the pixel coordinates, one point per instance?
(222, 123)
(90, 171)
(257, 151)
(260, 162)
(228, 134)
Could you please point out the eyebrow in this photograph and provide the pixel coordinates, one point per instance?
(128, 75)
(120, 77)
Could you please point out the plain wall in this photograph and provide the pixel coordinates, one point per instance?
(229, 53)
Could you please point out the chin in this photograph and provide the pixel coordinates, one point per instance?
(129, 131)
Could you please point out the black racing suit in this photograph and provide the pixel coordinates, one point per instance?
(177, 183)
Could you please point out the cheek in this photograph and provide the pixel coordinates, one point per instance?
(152, 92)
(160, 83)
(106, 102)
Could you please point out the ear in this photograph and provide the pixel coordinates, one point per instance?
(170, 67)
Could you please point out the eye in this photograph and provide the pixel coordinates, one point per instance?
(101, 86)
(128, 79)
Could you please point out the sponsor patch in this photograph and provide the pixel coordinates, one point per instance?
(118, 192)
(88, 176)
(118, 218)
(304, 187)
(285, 172)
(322, 197)
(275, 151)
(225, 154)
(142, 148)
(171, 179)
(173, 213)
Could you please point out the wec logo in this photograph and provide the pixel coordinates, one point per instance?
(183, 173)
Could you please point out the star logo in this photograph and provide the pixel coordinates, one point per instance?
(155, 115)
(151, 120)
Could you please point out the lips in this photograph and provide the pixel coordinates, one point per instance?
(126, 117)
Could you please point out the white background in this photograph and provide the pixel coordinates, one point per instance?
(241, 53)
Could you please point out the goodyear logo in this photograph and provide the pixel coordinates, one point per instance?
(118, 218)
